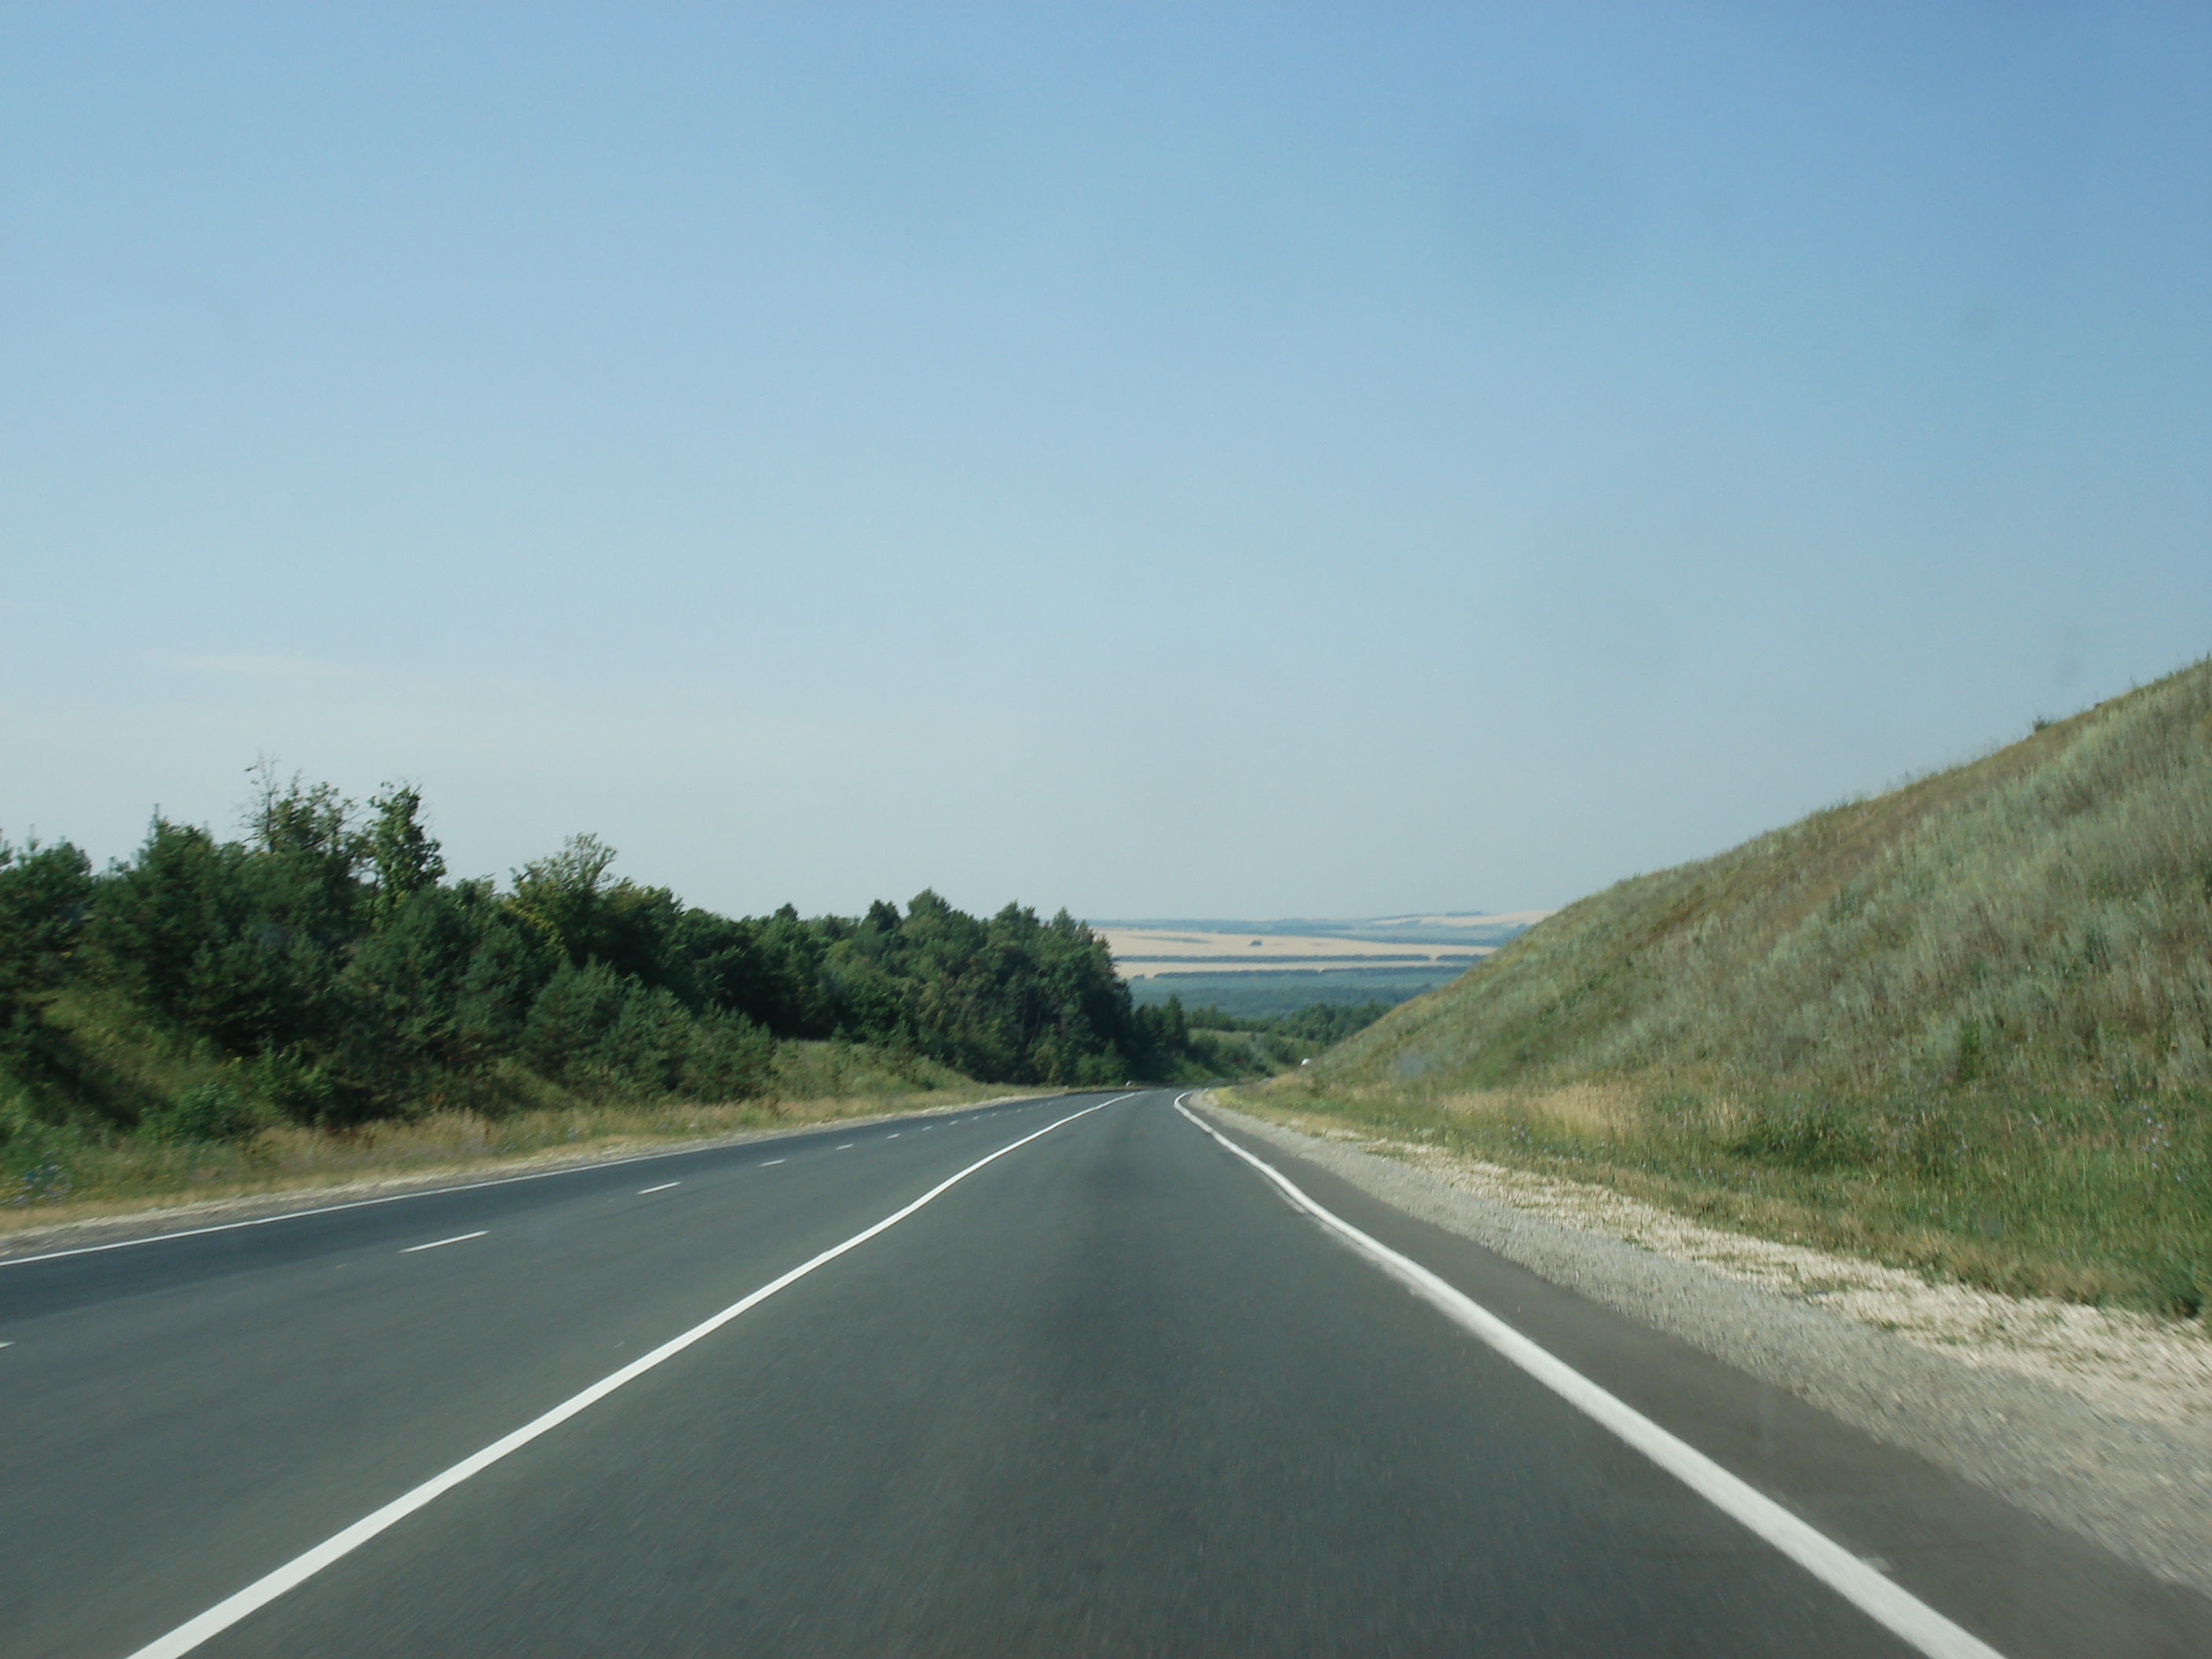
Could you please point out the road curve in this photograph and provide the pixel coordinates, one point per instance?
(1064, 1376)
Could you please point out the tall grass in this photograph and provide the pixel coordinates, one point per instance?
(50, 1173)
(1977, 1007)
(2095, 1201)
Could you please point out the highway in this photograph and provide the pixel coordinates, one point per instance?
(1067, 1376)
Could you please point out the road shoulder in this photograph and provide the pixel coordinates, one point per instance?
(123, 1222)
(2092, 1462)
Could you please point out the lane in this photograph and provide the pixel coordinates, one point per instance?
(40, 1284)
(173, 1436)
(1114, 1398)
(1109, 1395)
(2031, 1587)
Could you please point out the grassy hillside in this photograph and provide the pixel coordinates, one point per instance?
(1967, 1023)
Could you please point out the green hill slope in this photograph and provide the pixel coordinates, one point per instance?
(1971, 1019)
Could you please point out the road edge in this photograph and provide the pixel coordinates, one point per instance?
(159, 1219)
(2109, 1480)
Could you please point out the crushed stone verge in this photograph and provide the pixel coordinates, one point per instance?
(2097, 1419)
(78, 1231)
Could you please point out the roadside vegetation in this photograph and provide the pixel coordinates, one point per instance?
(1966, 1025)
(1266, 993)
(320, 981)
(814, 1082)
(1225, 1045)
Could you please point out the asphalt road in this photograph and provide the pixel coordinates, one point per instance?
(1108, 1393)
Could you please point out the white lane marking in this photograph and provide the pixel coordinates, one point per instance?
(662, 1187)
(457, 1238)
(266, 1589)
(893, 1136)
(1898, 1610)
(846, 1147)
(772, 1163)
(357, 1204)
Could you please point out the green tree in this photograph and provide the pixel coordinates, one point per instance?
(218, 940)
(586, 917)
(440, 991)
(43, 893)
(404, 854)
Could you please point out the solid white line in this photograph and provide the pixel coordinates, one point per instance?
(363, 1204)
(263, 1590)
(1901, 1613)
(457, 1238)
(662, 1187)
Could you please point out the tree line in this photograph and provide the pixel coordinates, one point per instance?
(1213, 1043)
(333, 973)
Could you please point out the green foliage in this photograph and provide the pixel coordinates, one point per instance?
(404, 857)
(1012, 999)
(209, 1113)
(1218, 1044)
(1811, 1135)
(1319, 1023)
(239, 945)
(44, 893)
(1264, 995)
(323, 970)
(443, 987)
(594, 1027)
(583, 916)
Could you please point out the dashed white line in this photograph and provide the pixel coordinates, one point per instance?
(771, 1163)
(592, 1167)
(457, 1238)
(301, 1568)
(846, 1147)
(662, 1187)
(892, 1136)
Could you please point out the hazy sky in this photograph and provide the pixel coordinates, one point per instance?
(1270, 460)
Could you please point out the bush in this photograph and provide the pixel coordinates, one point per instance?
(211, 1113)
(594, 1026)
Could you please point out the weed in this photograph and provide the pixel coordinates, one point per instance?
(1982, 995)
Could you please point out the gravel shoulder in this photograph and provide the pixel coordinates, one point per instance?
(2097, 1419)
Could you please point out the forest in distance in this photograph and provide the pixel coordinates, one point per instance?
(323, 968)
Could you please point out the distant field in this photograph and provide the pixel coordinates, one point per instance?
(1287, 991)
(1258, 969)
(1143, 951)
(1150, 948)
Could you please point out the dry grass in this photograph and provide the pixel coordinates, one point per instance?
(82, 1177)
(2040, 921)
(1993, 1226)
(1968, 1024)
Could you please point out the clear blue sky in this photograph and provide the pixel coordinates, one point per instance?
(1195, 460)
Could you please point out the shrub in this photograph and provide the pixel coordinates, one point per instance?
(212, 1112)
